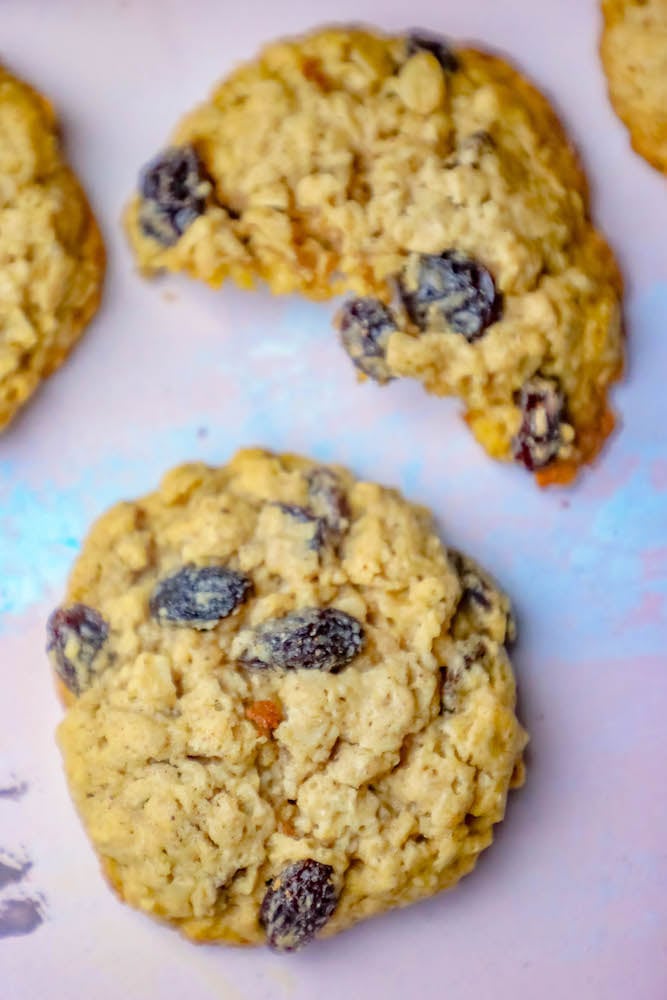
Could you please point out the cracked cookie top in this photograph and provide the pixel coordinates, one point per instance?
(289, 706)
(438, 186)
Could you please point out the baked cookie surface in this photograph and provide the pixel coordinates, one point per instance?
(51, 251)
(289, 707)
(438, 184)
(634, 55)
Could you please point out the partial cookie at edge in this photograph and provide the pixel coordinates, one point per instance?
(52, 257)
(633, 48)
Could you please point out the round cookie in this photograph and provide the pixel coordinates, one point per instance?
(406, 173)
(289, 707)
(634, 55)
(51, 252)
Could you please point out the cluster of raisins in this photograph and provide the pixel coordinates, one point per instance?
(449, 291)
(451, 286)
(201, 596)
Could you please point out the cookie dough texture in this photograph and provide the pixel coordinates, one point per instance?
(51, 251)
(199, 779)
(336, 159)
(634, 54)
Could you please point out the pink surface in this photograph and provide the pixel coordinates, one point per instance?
(571, 901)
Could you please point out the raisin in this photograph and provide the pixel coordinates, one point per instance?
(365, 327)
(297, 904)
(423, 41)
(327, 499)
(483, 609)
(198, 596)
(301, 514)
(458, 289)
(463, 657)
(173, 188)
(75, 635)
(310, 639)
(305, 516)
(539, 438)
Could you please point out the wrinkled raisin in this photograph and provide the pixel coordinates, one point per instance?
(423, 41)
(365, 327)
(198, 596)
(299, 513)
(456, 288)
(173, 188)
(539, 438)
(297, 904)
(327, 499)
(305, 516)
(483, 608)
(310, 639)
(463, 657)
(75, 635)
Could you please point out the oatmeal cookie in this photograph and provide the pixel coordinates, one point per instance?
(51, 251)
(439, 188)
(634, 55)
(289, 706)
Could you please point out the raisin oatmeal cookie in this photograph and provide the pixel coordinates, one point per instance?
(634, 55)
(289, 707)
(51, 251)
(436, 186)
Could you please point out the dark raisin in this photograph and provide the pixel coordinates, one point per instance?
(327, 499)
(423, 41)
(198, 596)
(305, 516)
(455, 288)
(75, 635)
(483, 608)
(310, 639)
(301, 514)
(173, 188)
(365, 327)
(297, 904)
(540, 435)
(465, 654)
